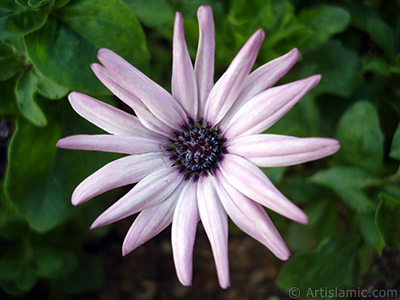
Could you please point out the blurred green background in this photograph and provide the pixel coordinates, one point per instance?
(352, 198)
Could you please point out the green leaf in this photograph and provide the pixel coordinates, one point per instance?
(10, 63)
(395, 149)
(348, 184)
(54, 263)
(64, 48)
(151, 12)
(50, 89)
(324, 21)
(338, 66)
(88, 275)
(26, 91)
(361, 138)
(323, 217)
(18, 21)
(40, 179)
(37, 3)
(387, 219)
(7, 97)
(332, 265)
(370, 232)
(23, 280)
(366, 19)
(60, 3)
(28, 178)
(376, 65)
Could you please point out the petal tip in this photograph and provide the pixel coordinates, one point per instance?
(59, 143)
(204, 9)
(261, 34)
(185, 281)
(125, 250)
(284, 256)
(303, 219)
(225, 285)
(96, 224)
(316, 78)
(295, 52)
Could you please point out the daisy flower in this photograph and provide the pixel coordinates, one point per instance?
(194, 155)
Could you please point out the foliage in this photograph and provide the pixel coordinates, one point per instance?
(352, 198)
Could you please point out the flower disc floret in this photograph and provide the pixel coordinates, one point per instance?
(197, 149)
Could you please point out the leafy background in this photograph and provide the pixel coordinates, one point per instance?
(352, 198)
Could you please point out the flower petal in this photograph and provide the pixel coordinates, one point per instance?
(107, 117)
(262, 111)
(267, 150)
(156, 99)
(151, 222)
(251, 217)
(110, 143)
(262, 79)
(204, 64)
(183, 233)
(215, 222)
(184, 86)
(144, 115)
(251, 182)
(120, 172)
(147, 193)
(227, 89)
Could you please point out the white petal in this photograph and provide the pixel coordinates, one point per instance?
(204, 65)
(107, 117)
(148, 192)
(157, 100)
(262, 79)
(151, 222)
(262, 111)
(123, 171)
(184, 86)
(248, 179)
(145, 116)
(266, 150)
(110, 143)
(251, 217)
(215, 222)
(183, 233)
(227, 89)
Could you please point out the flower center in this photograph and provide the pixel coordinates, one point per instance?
(197, 148)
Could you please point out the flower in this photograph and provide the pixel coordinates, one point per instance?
(195, 155)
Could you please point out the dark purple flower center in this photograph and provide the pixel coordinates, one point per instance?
(197, 148)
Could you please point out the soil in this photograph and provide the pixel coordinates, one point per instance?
(149, 272)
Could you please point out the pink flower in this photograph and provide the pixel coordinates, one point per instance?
(195, 155)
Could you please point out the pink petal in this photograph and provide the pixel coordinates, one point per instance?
(123, 171)
(215, 222)
(266, 150)
(183, 233)
(227, 89)
(251, 218)
(204, 65)
(147, 193)
(251, 182)
(262, 111)
(107, 117)
(110, 143)
(144, 115)
(153, 96)
(262, 79)
(151, 222)
(184, 86)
